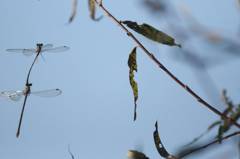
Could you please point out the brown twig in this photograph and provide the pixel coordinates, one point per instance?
(209, 144)
(162, 67)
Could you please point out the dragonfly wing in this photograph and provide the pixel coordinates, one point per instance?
(48, 93)
(47, 46)
(13, 95)
(57, 49)
(27, 52)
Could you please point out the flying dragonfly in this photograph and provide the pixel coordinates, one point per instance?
(17, 95)
(40, 48)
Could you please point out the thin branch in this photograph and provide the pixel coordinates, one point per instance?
(210, 144)
(163, 68)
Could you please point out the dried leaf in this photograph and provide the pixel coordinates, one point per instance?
(133, 154)
(74, 11)
(152, 33)
(158, 143)
(132, 64)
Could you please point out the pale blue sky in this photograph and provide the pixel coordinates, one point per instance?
(95, 112)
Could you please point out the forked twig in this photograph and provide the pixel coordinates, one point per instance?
(163, 68)
(209, 144)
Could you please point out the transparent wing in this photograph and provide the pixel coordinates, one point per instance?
(57, 49)
(12, 95)
(47, 46)
(27, 52)
(48, 93)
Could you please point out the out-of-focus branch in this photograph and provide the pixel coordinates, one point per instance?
(70, 152)
(209, 144)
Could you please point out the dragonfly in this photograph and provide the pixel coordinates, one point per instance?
(40, 48)
(17, 95)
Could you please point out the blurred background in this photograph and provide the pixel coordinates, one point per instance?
(94, 115)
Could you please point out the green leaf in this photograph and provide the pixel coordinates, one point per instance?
(152, 33)
(132, 64)
(133, 154)
(221, 131)
(233, 111)
(210, 127)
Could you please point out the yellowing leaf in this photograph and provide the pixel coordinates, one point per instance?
(92, 8)
(152, 33)
(132, 64)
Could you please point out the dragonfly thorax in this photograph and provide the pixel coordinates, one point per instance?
(27, 89)
(39, 47)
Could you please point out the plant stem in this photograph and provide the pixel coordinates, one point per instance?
(161, 66)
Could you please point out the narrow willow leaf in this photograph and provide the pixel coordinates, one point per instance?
(92, 9)
(213, 125)
(227, 102)
(74, 11)
(158, 144)
(221, 131)
(152, 33)
(132, 64)
(133, 154)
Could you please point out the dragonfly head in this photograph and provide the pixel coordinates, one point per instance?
(39, 44)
